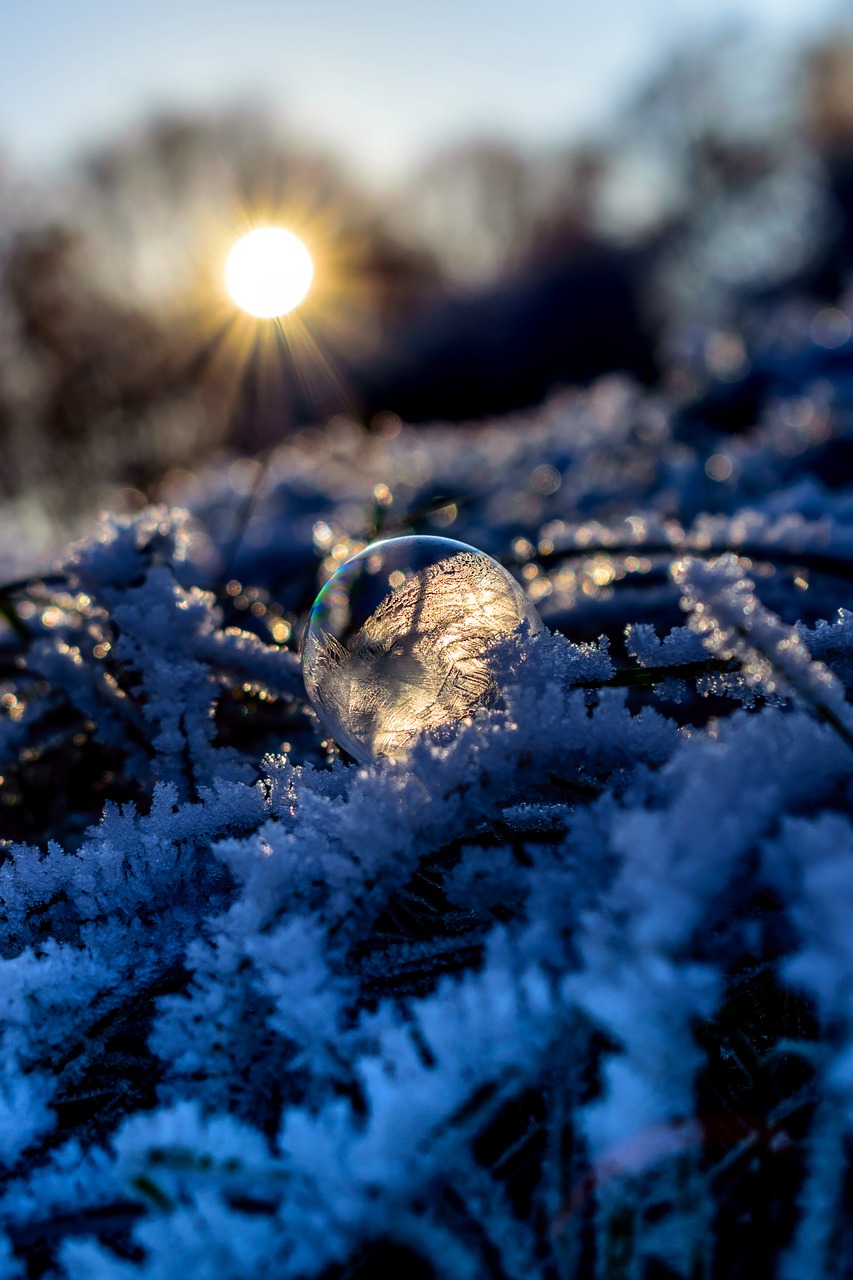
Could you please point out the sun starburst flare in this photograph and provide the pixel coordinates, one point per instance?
(269, 272)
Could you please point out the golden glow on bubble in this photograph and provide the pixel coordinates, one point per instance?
(269, 272)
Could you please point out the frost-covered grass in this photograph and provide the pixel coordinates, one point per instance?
(566, 993)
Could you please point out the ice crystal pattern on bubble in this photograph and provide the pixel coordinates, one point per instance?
(402, 640)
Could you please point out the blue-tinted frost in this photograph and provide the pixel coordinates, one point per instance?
(312, 1093)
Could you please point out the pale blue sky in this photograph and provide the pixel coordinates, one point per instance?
(385, 80)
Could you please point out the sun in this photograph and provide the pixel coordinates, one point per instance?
(269, 272)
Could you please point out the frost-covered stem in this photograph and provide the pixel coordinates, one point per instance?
(812, 1249)
(642, 677)
(839, 566)
(725, 612)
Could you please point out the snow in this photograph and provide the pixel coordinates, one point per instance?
(267, 1007)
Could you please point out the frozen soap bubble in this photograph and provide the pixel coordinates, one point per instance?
(401, 638)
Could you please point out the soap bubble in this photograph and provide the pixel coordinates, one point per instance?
(401, 639)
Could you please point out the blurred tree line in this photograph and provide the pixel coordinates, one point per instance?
(495, 275)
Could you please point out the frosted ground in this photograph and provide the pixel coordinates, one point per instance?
(566, 992)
